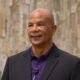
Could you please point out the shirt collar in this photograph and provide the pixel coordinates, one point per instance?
(43, 57)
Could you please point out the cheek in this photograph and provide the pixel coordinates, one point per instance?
(47, 31)
(28, 31)
(46, 34)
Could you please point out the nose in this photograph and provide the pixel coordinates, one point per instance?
(35, 27)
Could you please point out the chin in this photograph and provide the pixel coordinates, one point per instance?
(36, 43)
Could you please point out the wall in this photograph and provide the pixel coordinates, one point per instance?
(13, 21)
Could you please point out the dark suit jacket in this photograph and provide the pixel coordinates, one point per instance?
(60, 66)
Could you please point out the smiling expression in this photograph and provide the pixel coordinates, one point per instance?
(40, 28)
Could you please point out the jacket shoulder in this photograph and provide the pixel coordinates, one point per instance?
(19, 55)
(68, 56)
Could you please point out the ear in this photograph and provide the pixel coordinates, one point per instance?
(54, 28)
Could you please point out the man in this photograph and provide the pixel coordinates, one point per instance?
(43, 61)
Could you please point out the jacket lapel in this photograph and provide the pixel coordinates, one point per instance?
(27, 65)
(51, 63)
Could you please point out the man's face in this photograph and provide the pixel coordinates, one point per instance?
(39, 29)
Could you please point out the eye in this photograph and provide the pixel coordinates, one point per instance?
(30, 25)
(40, 24)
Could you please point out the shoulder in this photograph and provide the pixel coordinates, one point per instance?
(68, 57)
(19, 56)
(63, 55)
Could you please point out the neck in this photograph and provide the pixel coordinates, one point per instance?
(41, 50)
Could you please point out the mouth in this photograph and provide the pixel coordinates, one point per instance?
(36, 37)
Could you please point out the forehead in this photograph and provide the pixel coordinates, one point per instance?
(37, 16)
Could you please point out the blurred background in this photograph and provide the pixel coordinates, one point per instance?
(13, 21)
